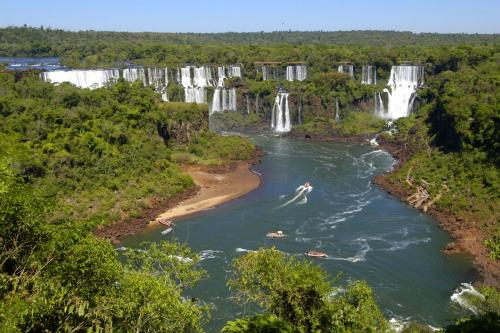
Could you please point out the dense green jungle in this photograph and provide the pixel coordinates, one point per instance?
(75, 160)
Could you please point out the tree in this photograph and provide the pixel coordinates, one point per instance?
(301, 293)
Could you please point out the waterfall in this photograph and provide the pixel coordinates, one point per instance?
(265, 73)
(221, 75)
(403, 83)
(202, 76)
(158, 78)
(194, 88)
(289, 73)
(134, 74)
(296, 72)
(301, 72)
(232, 99)
(379, 105)
(224, 100)
(280, 120)
(96, 78)
(216, 102)
(234, 71)
(368, 75)
(349, 69)
(248, 103)
(337, 116)
(93, 78)
(186, 77)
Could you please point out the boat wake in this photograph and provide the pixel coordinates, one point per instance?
(360, 255)
(301, 191)
(210, 254)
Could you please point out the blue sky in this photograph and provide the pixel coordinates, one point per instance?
(481, 16)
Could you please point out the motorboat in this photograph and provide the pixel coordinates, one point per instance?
(277, 234)
(317, 254)
(166, 223)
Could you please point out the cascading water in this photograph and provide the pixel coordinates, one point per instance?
(92, 79)
(225, 99)
(301, 72)
(290, 75)
(296, 72)
(337, 116)
(349, 69)
(280, 120)
(368, 75)
(194, 88)
(134, 74)
(403, 84)
(265, 73)
(96, 78)
(234, 71)
(379, 105)
(158, 78)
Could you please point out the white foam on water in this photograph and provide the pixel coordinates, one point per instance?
(401, 245)
(210, 254)
(239, 249)
(303, 239)
(461, 293)
(121, 248)
(398, 324)
(302, 202)
(166, 231)
(360, 255)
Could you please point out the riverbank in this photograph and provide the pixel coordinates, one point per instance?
(213, 186)
(467, 236)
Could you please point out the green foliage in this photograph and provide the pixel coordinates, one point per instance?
(301, 293)
(354, 123)
(465, 115)
(494, 246)
(414, 327)
(103, 155)
(258, 324)
(487, 323)
(74, 158)
(232, 121)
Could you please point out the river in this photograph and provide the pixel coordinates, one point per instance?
(366, 233)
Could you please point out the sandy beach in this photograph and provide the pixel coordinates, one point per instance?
(214, 189)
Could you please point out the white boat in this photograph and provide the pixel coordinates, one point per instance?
(166, 231)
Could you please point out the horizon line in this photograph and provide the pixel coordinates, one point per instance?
(248, 32)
